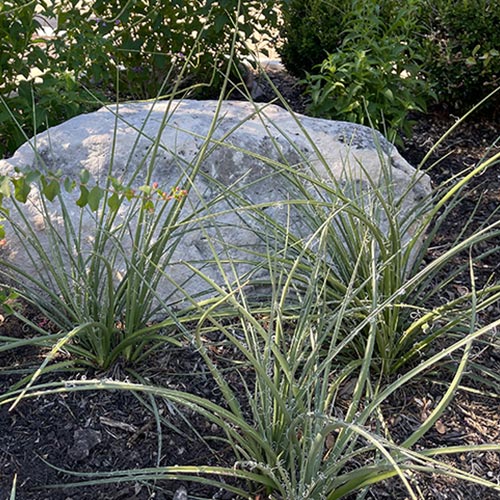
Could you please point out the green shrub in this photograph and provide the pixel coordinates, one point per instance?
(36, 105)
(135, 49)
(145, 43)
(18, 52)
(456, 41)
(463, 50)
(374, 76)
(310, 30)
(374, 86)
(35, 91)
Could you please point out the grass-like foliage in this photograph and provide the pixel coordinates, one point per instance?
(308, 424)
(99, 294)
(345, 321)
(77, 287)
(366, 239)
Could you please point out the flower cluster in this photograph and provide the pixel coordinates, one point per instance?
(176, 193)
(152, 192)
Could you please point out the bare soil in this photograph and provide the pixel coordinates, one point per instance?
(112, 430)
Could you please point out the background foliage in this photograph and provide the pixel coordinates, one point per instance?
(36, 90)
(373, 77)
(311, 29)
(374, 61)
(462, 49)
(100, 48)
(366, 61)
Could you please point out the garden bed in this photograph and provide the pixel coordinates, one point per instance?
(112, 430)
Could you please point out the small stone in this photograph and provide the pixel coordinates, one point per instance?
(180, 494)
(84, 440)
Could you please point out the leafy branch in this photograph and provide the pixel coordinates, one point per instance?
(52, 184)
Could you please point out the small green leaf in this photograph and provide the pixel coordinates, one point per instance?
(32, 176)
(5, 186)
(8, 302)
(21, 189)
(129, 194)
(84, 196)
(69, 185)
(388, 93)
(84, 176)
(51, 189)
(148, 205)
(220, 21)
(114, 202)
(117, 185)
(94, 198)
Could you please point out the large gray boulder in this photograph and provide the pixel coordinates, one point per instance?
(254, 160)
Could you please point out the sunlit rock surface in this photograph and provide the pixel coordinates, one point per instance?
(252, 162)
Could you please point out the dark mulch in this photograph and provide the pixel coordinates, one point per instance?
(112, 430)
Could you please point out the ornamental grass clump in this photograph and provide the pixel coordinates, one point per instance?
(360, 228)
(99, 296)
(76, 287)
(306, 423)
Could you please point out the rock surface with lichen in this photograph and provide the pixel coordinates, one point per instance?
(252, 163)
